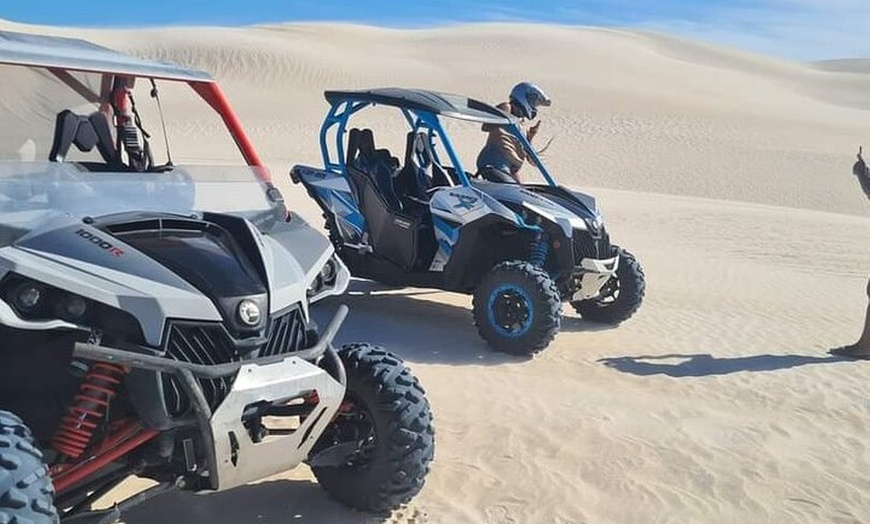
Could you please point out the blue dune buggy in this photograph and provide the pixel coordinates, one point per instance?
(519, 249)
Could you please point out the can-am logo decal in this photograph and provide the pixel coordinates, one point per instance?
(464, 201)
(100, 243)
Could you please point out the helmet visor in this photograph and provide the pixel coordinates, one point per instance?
(537, 99)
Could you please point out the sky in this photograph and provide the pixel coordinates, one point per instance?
(792, 29)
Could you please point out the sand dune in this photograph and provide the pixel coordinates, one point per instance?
(845, 65)
(726, 173)
(632, 110)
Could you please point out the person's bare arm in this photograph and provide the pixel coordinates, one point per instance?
(533, 131)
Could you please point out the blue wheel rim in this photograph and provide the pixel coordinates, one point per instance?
(510, 310)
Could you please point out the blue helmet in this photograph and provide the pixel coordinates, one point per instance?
(528, 97)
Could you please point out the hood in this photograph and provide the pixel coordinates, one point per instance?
(216, 254)
(68, 254)
(154, 265)
(159, 266)
(570, 210)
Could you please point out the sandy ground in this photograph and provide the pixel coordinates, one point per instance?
(726, 173)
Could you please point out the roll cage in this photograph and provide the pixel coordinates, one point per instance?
(422, 110)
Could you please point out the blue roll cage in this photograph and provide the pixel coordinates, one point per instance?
(341, 111)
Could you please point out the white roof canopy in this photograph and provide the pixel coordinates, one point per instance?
(80, 55)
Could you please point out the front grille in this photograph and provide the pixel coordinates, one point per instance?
(198, 344)
(286, 334)
(587, 246)
(210, 343)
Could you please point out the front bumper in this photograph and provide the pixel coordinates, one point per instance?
(234, 457)
(595, 262)
(592, 274)
(239, 459)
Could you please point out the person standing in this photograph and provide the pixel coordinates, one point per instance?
(861, 348)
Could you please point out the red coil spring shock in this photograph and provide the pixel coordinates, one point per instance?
(87, 409)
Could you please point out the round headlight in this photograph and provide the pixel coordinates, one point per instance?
(249, 312)
(28, 296)
(74, 307)
(328, 271)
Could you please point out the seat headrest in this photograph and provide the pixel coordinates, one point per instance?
(360, 142)
(85, 132)
(366, 141)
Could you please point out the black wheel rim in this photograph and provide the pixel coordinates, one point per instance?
(610, 291)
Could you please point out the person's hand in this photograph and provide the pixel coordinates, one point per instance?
(533, 131)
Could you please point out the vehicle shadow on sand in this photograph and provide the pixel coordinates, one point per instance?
(272, 502)
(420, 330)
(705, 364)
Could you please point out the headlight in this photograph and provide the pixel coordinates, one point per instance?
(329, 272)
(315, 286)
(326, 278)
(249, 312)
(73, 307)
(36, 301)
(27, 296)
